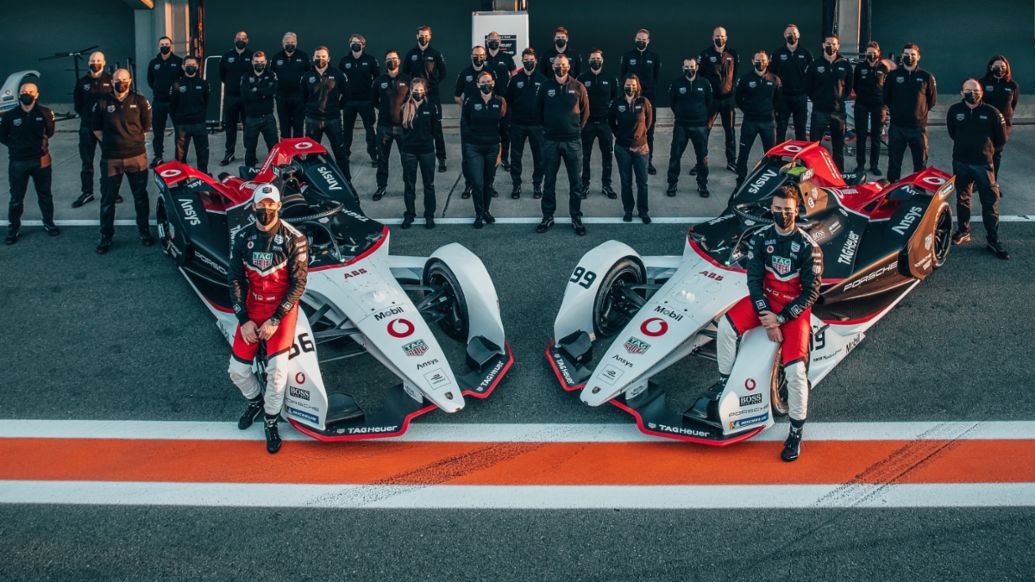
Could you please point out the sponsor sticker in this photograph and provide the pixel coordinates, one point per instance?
(654, 327)
(302, 414)
(636, 346)
(400, 328)
(416, 348)
(262, 260)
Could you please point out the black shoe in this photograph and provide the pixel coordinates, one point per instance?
(651, 169)
(627, 217)
(12, 237)
(407, 222)
(580, 229)
(488, 218)
(537, 192)
(467, 192)
(441, 166)
(544, 225)
(671, 190)
(961, 237)
(379, 193)
(52, 229)
(875, 171)
(104, 246)
(83, 199)
(645, 218)
(792, 446)
(272, 435)
(703, 191)
(584, 192)
(693, 171)
(516, 192)
(731, 166)
(429, 222)
(478, 221)
(609, 192)
(156, 161)
(505, 165)
(118, 199)
(998, 250)
(226, 160)
(493, 193)
(250, 414)
(146, 239)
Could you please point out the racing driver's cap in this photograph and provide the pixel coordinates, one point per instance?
(266, 192)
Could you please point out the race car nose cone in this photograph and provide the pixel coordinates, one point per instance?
(378, 296)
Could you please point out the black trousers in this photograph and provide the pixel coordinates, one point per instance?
(365, 111)
(436, 128)
(480, 162)
(253, 127)
(749, 130)
(571, 153)
(681, 136)
(410, 164)
(821, 122)
(969, 176)
(790, 107)
(898, 139)
(869, 122)
(650, 130)
(198, 133)
(135, 171)
(233, 113)
(291, 115)
(598, 131)
(632, 163)
(724, 109)
(534, 135)
(159, 116)
(18, 174)
(505, 140)
(87, 148)
(317, 128)
(386, 136)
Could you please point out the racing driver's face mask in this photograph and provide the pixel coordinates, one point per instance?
(783, 213)
(265, 215)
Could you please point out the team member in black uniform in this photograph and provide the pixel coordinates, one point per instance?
(718, 64)
(1002, 92)
(234, 65)
(977, 130)
(602, 90)
(467, 88)
(26, 131)
(646, 65)
(526, 122)
(387, 95)
(564, 107)
(425, 61)
(188, 103)
(630, 116)
(417, 149)
(324, 89)
(909, 92)
(690, 97)
(165, 68)
(480, 119)
(756, 95)
(289, 65)
(120, 120)
(870, 112)
(829, 83)
(501, 63)
(560, 47)
(258, 89)
(361, 69)
(790, 62)
(95, 83)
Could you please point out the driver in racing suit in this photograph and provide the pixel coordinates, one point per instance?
(268, 266)
(784, 270)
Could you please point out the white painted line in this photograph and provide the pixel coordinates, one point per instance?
(500, 220)
(750, 497)
(506, 433)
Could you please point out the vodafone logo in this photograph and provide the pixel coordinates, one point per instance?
(300, 378)
(654, 327)
(169, 173)
(792, 148)
(304, 145)
(399, 328)
(933, 180)
(750, 384)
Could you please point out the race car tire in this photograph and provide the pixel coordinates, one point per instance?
(607, 320)
(457, 320)
(942, 236)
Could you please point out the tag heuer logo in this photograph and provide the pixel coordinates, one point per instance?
(230, 60)
(416, 348)
(520, 84)
(384, 85)
(262, 260)
(110, 108)
(682, 90)
(636, 346)
(477, 106)
(551, 93)
(621, 108)
(782, 265)
(17, 122)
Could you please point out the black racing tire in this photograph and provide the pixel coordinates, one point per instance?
(457, 320)
(606, 320)
(778, 387)
(942, 236)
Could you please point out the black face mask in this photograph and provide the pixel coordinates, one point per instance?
(630, 91)
(265, 216)
(259, 68)
(759, 67)
(97, 68)
(971, 97)
(290, 48)
(783, 219)
(560, 72)
(828, 50)
(423, 41)
(165, 49)
(718, 42)
(560, 43)
(191, 71)
(596, 65)
(391, 65)
(690, 73)
(26, 99)
(240, 44)
(121, 87)
(528, 65)
(418, 96)
(641, 45)
(908, 60)
(485, 89)
(493, 45)
(477, 61)
(998, 72)
(356, 47)
(320, 63)
(872, 58)
(791, 39)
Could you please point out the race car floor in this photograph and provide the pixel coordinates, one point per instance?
(918, 462)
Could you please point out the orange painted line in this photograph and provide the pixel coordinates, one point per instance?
(437, 463)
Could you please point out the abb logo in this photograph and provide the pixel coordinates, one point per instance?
(356, 273)
(712, 275)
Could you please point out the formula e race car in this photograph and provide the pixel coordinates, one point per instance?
(625, 318)
(358, 298)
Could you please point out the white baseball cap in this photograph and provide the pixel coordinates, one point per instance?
(266, 192)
